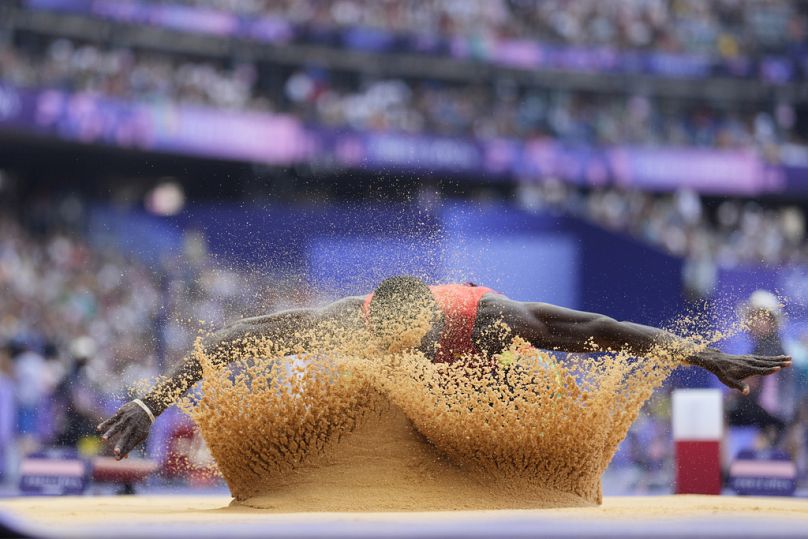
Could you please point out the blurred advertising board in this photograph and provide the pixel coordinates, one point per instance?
(763, 473)
(153, 126)
(278, 139)
(511, 53)
(54, 473)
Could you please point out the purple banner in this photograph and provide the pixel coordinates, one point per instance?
(177, 17)
(282, 139)
(520, 54)
(191, 130)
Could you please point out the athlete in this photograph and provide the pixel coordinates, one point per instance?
(462, 319)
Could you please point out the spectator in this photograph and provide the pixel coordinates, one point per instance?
(31, 389)
(728, 29)
(796, 439)
(76, 402)
(486, 110)
(8, 414)
(770, 403)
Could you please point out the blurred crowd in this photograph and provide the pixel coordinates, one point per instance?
(81, 321)
(709, 235)
(506, 109)
(500, 108)
(726, 28)
(77, 322)
(82, 324)
(128, 74)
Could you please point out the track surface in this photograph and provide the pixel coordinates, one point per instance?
(210, 516)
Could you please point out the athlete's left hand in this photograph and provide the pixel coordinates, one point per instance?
(732, 370)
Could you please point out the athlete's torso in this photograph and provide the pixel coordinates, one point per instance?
(459, 304)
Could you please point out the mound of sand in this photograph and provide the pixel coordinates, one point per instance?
(330, 423)
(387, 465)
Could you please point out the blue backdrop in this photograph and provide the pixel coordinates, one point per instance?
(348, 248)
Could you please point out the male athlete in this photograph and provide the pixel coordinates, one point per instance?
(464, 320)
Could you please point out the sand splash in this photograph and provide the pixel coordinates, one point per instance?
(328, 422)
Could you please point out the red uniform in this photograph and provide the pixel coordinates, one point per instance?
(458, 303)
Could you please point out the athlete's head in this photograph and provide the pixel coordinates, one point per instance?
(402, 312)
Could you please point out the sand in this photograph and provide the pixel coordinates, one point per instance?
(66, 510)
(387, 465)
(331, 423)
(210, 516)
(333, 417)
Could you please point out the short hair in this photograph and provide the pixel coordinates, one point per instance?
(399, 300)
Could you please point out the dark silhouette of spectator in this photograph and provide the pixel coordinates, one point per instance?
(75, 403)
(768, 401)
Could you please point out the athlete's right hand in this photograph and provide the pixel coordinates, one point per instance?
(733, 369)
(128, 427)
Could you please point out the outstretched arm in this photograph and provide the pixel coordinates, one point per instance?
(557, 328)
(130, 425)
(220, 346)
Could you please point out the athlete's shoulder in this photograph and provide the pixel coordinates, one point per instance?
(494, 304)
(349, 303)
(344, 311)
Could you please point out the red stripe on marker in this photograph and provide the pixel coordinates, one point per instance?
(698, 467)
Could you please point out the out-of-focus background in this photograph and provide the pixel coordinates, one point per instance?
(170, 165)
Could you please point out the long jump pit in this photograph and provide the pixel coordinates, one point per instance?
(384, 481)
(212, 516)
(344, 445)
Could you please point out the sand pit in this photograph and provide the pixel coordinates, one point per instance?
(334, 417)
(387, 465)
(328, 422)
(203, 516)
(352, 433)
